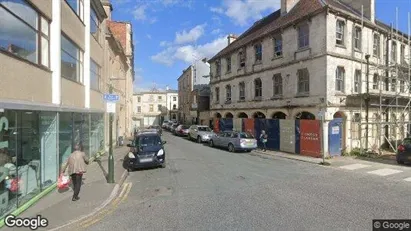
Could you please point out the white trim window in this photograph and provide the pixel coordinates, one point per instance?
(339, 79)
(357, 81)
(357, 38)
(77, 6)
(339, 32)
(376, 45)
(394, 52)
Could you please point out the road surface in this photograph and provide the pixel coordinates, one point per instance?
(203, 188)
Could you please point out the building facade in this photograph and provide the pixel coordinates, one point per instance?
(52, 55)
(309, 59)
(196, 76)
(154, 107)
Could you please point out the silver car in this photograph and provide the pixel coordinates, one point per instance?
(234, 141)
(200, 133)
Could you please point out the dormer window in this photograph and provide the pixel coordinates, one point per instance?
(339, 33)
(228, 61)
(258, 49)
(218, 67)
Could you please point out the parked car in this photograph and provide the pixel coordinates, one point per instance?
(146, 150)
(158, 128)
(164, 124)
(200, 133)
(182, 130)
(404, 151)
(144, 131)
(173, 128)
(169, 125)
(234, 141)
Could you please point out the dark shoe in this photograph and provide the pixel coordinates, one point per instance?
(77, 198)
(74, 199)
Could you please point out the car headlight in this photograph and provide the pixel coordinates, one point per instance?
(131, 155)
(160, 152)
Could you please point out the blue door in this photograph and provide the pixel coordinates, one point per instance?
(335, 137)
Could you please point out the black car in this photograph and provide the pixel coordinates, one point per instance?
(146, 150)
(404, 151)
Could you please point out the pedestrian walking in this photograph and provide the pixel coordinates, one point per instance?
(76, 165)
(263, 139)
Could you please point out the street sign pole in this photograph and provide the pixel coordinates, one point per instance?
(110, 178)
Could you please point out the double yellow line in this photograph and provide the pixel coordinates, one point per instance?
(109, 209)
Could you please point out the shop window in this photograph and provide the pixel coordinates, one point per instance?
(65, 136)
(48, 144)
(96, 133)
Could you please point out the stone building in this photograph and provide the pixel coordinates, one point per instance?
(309, 57)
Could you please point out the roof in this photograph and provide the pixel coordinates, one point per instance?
(119, 30)
(272, 23)
(275, 22)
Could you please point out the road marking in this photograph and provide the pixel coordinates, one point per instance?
(408, 179)
(123, 195)
(354, 166)
(385, 172)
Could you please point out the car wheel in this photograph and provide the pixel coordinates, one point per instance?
(231, 148)
(211, 143)
(163, 165)
(400, 161)
(198, 139)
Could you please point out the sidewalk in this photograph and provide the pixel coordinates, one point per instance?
(291, 156)
(58, 208)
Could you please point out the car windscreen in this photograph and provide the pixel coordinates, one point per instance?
(406, 141)
(246, 135)
(147, 141)
(204, 129)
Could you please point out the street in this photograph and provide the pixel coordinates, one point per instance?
(203, 188)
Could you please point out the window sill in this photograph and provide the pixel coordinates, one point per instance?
(340, 46)
(25, 60)
(239, 69)
(228, 72)
(228, 102)
(301, 49)
(241, 100)
(302, 95)
(277, 57)
(276, 97)
(357, 50)
(339, 93)
(257, 63)
(258, 98)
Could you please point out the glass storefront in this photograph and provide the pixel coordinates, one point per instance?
(29, 160)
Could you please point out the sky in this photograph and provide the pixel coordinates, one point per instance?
(169, 35)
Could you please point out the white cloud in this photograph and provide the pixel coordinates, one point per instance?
(165, 43)
(191, 36)
(189, 53)
(139, 13)
(148, 36)
(242, 11)
(216, 31)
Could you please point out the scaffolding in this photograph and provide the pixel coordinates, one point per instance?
(390, 98)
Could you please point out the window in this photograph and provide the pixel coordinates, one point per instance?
(26, 33)
(228, 60)
(402, 54)
(217, 94)
(375, 81)
(71, 60)
(151, 107)
(241, 58)
(387, 84)
(151, 97)
(77, 7)
(258, 88)
(139, 99)
(303, 36)
(174, 98)
(139, 109)
(258, 49)
(277, 85)
(227, 93)
(355, 126)
(339, 79)
(241, 88)
(160, 97)
(174, 107)
(95, 75)
(402, 86)
(94, 25)
(340, 32)
(357, 81)
(278, 47)
(376, 45)
(218, 67)
(394, 52)
(393, 85)
(357, 38)
(303, 81)
(159, 107)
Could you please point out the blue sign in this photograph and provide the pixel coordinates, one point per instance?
(111, 97)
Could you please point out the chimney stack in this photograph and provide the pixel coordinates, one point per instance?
(231, 38)
(108, 7)
(287, 5)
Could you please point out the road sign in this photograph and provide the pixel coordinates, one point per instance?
(111, 107)
(111, 97)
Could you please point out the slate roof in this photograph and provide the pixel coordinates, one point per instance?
(275, 22)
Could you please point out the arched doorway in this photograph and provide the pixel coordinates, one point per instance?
(279, 115)
(259, 115)
(304, 115)
(217, 115)
(242, 115)
(228, 115)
